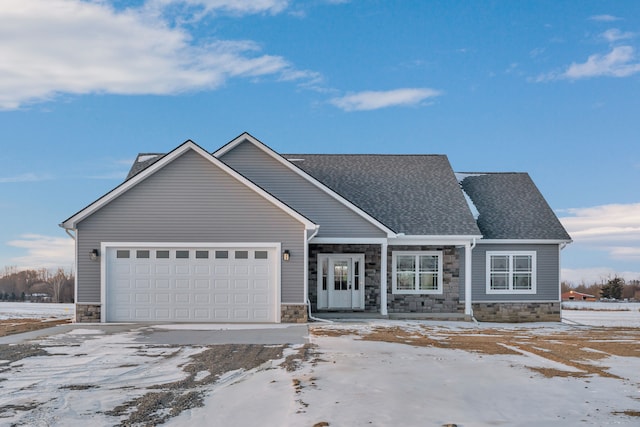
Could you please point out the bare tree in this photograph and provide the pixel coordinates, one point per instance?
(57, 283)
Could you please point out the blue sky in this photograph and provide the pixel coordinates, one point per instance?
(547, 87)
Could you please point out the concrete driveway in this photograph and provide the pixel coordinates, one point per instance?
(180, 334)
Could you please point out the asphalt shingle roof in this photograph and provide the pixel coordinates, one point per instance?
(420, 195)
(143, 161)
(510, 206)
(411, 194)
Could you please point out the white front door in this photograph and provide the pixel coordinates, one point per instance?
(341, 281)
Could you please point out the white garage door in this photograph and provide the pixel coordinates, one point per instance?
(209, 284)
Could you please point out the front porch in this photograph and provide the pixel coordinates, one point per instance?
(346, 281)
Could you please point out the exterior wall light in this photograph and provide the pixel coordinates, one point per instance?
(94, 254)
(286, 255)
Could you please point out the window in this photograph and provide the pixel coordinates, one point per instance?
(142, 254)
(222, 254)
(202, 254)
(162, 254)
(182, 254)
(261, 255)
(241, 254)
(121, 253)
(511, 272)
(417, 272)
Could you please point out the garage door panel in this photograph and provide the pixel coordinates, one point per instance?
(162, 269)
(241, 284)
(202, 283)
(163, 298)
(162, 314)
(182, 298)
(143, 284)
(191, 284)
(221, 299)
(182, 269)
(204, 270)
(221, 283)
(162, 283)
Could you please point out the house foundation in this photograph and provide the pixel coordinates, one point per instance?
(516, 312)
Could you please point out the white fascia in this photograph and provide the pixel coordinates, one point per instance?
(524, 241)
(349, 240)
(433, 240)
(260, 145)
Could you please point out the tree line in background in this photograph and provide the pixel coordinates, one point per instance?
(37, 285)
(615, 288)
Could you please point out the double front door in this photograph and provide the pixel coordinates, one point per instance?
(341, 281)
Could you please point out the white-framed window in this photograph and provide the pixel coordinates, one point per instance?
(416, 272)
(511, 272)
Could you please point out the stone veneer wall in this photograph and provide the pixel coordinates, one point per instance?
(293, 313)
(371, 271)
(290, 313)
(515, 312)
(447, 302)
(88, 313)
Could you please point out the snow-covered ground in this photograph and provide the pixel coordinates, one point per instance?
(371, 383)
(85, 373)
(30, 310)
(619, 314)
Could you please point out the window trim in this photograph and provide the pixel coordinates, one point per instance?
(416, 290)
(510, 290)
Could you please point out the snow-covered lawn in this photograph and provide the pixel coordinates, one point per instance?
(619, 314)
(29, 310)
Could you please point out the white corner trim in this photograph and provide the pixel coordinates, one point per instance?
(276, 156)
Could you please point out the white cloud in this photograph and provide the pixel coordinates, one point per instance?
(615, 34)
(604, 18)
(51, 47)
(612, 228)
(237, 7)
(43, 252)
(620, 62)
(373, 100)
(25, 177)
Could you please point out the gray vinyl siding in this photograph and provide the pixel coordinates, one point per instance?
(334, 218)
(190, 200)
(547, 272)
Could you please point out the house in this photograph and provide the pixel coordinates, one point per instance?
(577, 296)
(245, 234)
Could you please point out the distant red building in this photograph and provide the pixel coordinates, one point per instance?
(577, 296)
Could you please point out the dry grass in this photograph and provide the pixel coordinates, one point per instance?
(576, 349)
(18, 326)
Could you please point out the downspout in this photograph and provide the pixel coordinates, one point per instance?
(468, 247)
(306, 279)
